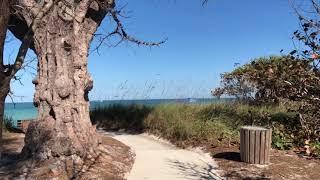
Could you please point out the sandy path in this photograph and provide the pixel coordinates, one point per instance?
(159, 160)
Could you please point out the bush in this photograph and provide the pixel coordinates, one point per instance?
(274, 81)
(269, 79)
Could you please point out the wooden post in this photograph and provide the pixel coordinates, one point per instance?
(255, 144)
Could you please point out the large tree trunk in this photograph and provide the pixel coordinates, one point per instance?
(63, 128)
(4, 90)
(62, 31)
(4, 80)
(1, 122)
(1, 119)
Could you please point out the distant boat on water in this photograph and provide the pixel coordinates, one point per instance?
(187, 100)
(192, 100)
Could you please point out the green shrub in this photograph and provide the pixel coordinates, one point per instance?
(285, 80)
(281, 140)
(315, 148)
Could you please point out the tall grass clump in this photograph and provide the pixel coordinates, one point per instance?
(8, 124)
(116, 117)
(185, 125)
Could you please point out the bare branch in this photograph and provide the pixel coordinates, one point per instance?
(18, 78)
(11, 98)
(204, 2)
(121, 32)
(316, 6)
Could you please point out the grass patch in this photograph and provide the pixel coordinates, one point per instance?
(186, 125)
(199, 125)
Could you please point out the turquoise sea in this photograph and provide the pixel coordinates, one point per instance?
(23, 111)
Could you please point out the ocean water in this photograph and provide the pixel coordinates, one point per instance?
(23, 111)
(20, 111)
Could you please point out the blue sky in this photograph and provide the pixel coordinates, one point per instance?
(202, 43)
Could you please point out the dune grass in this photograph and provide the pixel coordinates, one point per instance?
(7, 123)
(188, 125)
(116, 117)
(193, 124)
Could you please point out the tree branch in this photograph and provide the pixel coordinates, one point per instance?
(125, 36)
(28, 38)
(4, 19)
(22, 53)
(121, 32)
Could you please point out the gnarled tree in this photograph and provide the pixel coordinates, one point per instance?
(4, 83)
(62, 31)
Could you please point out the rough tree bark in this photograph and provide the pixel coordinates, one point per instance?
(4, 90)
(4, 79)
(62, 32)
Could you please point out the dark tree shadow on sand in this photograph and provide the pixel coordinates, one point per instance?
(10, 157)
(236, 169)
(243, 174)
(231, 156)
(192, 171)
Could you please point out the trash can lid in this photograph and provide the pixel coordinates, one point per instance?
(254, 128)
